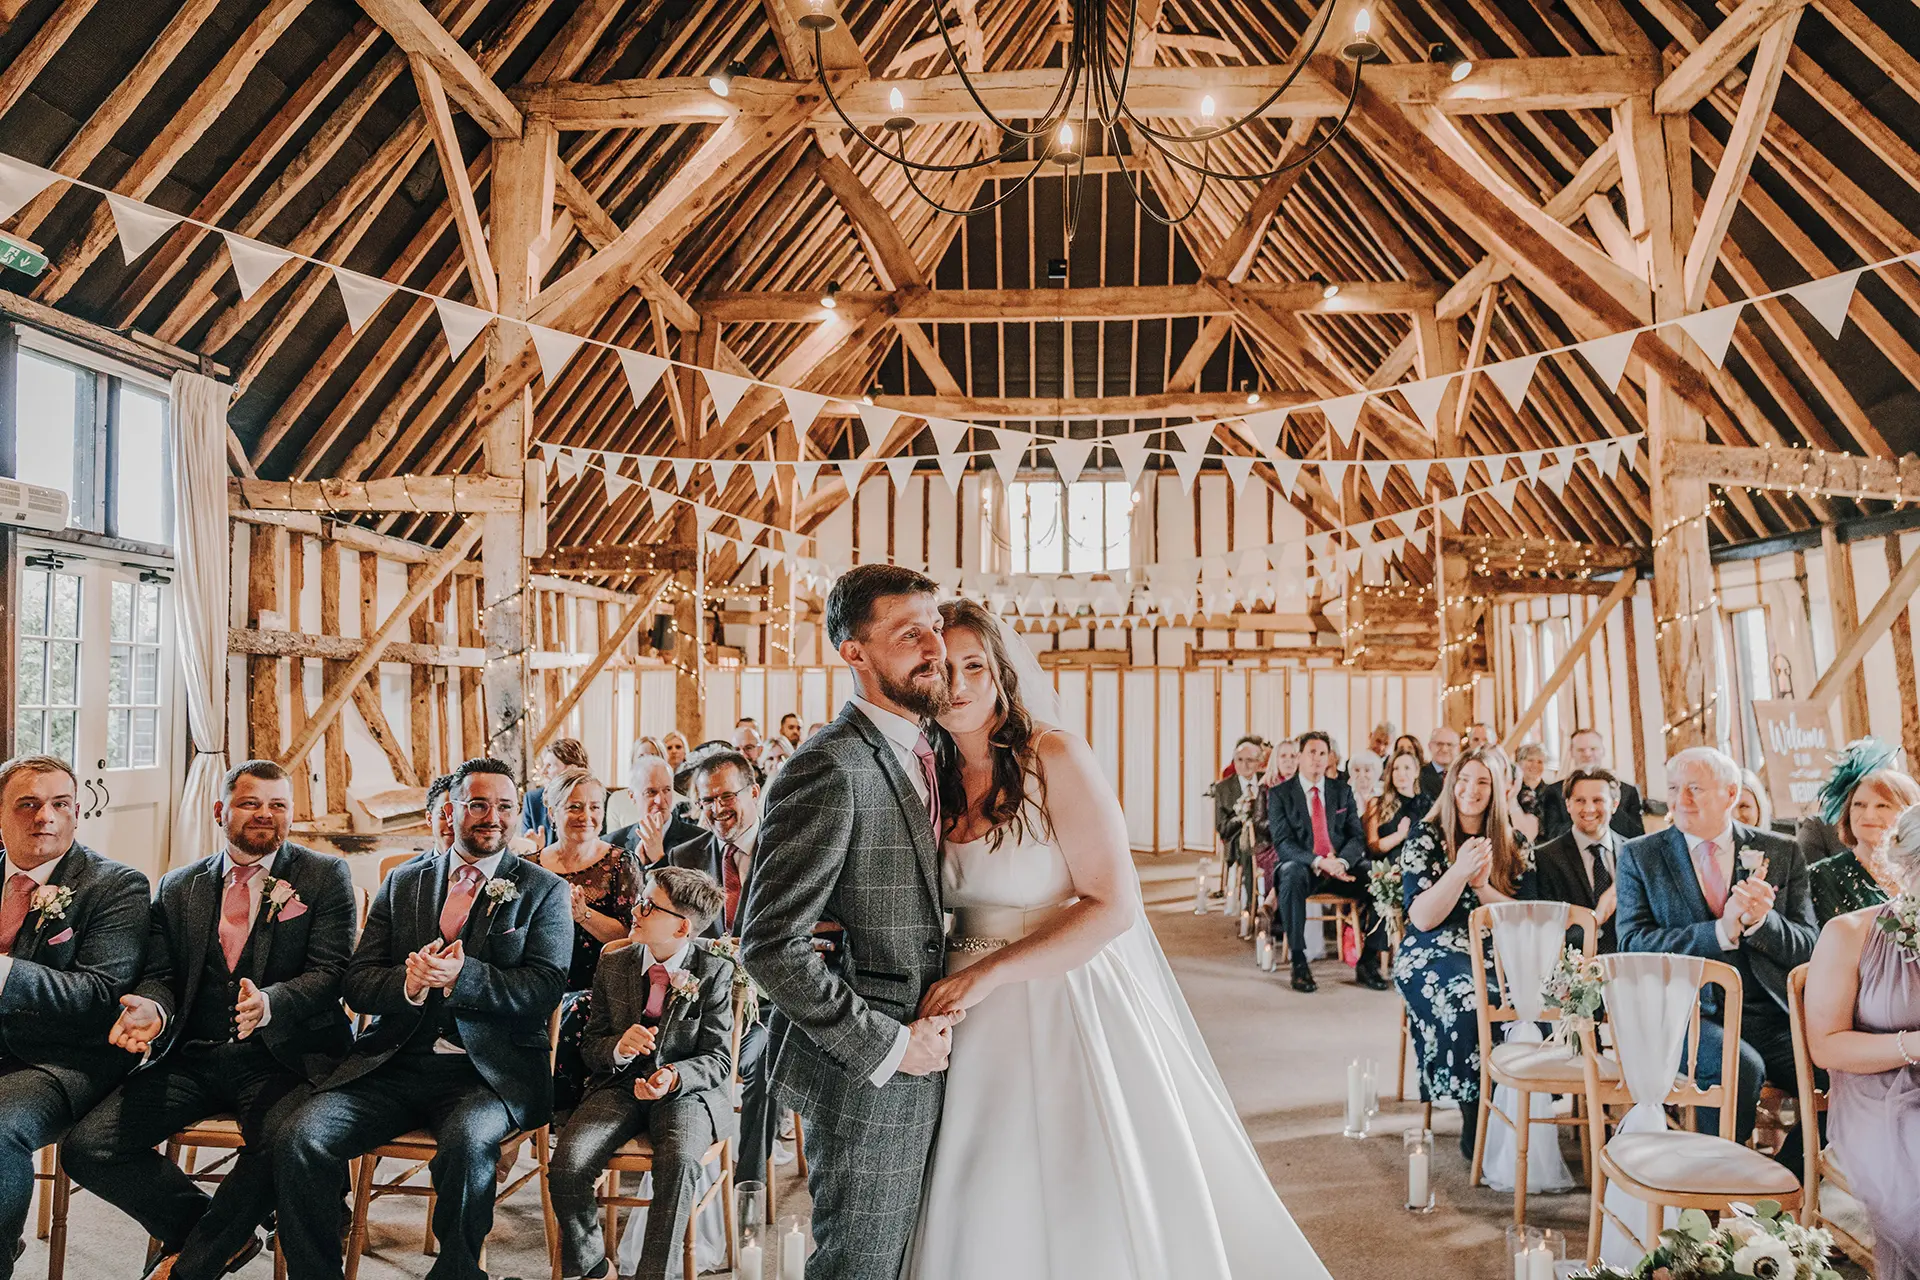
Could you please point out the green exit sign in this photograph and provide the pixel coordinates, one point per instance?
(21, 257)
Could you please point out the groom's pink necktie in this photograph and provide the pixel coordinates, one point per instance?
(923, 752)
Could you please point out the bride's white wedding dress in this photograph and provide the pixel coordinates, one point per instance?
(1086, 1132)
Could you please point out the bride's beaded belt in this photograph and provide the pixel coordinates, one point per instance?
(980, 929)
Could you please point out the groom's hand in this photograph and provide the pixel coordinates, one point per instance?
(929, 1041)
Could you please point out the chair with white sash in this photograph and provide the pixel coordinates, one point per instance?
(1522, 1074)
(1653, 1008)
(1823, 1171)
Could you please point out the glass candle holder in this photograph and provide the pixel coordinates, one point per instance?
(1356, 1117)
(1419, 1145)
(750, 1218)
(1201, 874)
(1533, 1255)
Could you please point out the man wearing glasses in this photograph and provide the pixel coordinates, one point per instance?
(729, 802)
(462, 960)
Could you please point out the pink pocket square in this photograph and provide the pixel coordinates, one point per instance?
(293, 909)
(65, 935)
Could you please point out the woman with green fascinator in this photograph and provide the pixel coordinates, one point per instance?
(1863, 798)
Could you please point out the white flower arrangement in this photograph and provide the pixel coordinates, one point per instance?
(1752, 1240)
(500, 889)
(51, 901)
(1574, 988)
(1902, 920)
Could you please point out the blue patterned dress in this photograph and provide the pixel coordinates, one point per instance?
(1434, 977)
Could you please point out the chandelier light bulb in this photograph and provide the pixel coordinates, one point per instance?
(1206, 107)
(1065, 136)
(1363, 23)
(896, 101)
(720, 83)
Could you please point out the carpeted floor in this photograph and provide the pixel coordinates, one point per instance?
(1283, 1056)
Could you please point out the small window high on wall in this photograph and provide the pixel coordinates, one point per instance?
(95, 430)
(1083, 527)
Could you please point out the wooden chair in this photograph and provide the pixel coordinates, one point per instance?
(1334, 910)
(1821, 1166)
(56, 1193)
(1525, 1068)
(392, 860)
(215, 1133)
(1677, 1168)
(636, 1156)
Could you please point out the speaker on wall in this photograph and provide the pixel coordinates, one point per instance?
(663, 633)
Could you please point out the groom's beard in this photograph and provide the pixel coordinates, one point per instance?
(923, 700)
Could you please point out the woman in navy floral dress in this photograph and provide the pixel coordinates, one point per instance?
(1465, 855)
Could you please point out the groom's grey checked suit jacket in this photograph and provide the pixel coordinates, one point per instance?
(845, 838)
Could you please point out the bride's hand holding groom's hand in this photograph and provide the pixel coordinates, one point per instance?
(929, 1041)
(958, 992)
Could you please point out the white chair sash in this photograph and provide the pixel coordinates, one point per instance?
(1650, 1001)
(1528, 938)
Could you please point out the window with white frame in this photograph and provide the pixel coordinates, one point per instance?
(1083, 527)
(1753, 669)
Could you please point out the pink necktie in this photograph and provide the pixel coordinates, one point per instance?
(13, 909)
(1706, 863)
(236, 914)
(460, 896)
(657, 996)
(924, 754)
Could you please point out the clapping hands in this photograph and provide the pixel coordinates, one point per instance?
(437, 964)
(1752, 898)
(1474, 861)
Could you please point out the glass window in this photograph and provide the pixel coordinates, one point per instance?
(52, 445)
(1754, 667)
(115, 468)
(1034, 526)
(47, 665)
(133, 676)
(1085, 527)
(143, 479)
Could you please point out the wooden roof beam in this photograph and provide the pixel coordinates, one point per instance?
(1114, 302)
(1719, 54)
(453, 169)
(1166, 404)
(425, 40)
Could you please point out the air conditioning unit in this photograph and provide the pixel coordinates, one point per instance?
(31, 505)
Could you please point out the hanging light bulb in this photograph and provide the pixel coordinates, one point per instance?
(1206, 108)
(1064, 151)
(1328, 289)
(1253, 397)
(899, 122)
(1362, 48)
(896, 101)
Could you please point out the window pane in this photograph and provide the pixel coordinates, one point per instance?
(48, 405)
(26, 733)
(120, 675)
(32, 671)
(142, 476)
(60, 733)
(146, 677)
(147, 623)
(33, 602)
(66, 606)
(1118, 552)
(1086, 528)
(146, 738)
(121, 623)
(63, 680)
(117, 739)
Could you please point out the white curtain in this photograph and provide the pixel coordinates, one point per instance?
(201, 597)
(1528, 937)
(1649, 1003)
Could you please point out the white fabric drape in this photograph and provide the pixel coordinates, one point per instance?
(201, 592)
(1528, 937)
(1649, 1004)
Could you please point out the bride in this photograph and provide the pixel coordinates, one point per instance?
(1085, 1130)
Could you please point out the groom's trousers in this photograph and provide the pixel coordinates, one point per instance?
(865, 1177)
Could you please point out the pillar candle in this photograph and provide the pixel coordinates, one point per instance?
(1356, 1096)
(1418, 1192)
(753, 1263)
(793, 1256)
(1539, 1263)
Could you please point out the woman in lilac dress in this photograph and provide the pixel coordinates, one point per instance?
(1863, 1026)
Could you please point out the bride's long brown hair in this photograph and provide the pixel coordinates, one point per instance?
(1016, 757)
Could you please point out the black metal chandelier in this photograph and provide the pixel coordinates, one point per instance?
(1092, 93)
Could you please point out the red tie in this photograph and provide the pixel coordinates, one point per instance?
(236, 914)
(1712, 884)
(13, 909)
(1322, 842)
(730, 875)
(657, 997)
(924, 754)
(453, 915)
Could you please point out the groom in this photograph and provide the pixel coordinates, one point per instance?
(849, 839)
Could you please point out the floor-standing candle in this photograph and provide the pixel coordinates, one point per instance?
(753, 1261)
(1540, 1263)
(793, 1255)
(1200, 888)
(1418, 1193)
(1356, 1099)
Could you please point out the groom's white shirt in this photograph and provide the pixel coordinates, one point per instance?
(902, 735)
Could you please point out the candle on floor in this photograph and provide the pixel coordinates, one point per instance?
(1419, 1143)
(1539, 1263)
(753, 1262)
(1356, 1099)
(793, 1254)
(1200, 887)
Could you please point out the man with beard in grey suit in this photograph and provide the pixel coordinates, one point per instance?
(850, 837)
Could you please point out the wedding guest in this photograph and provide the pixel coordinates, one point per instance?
(1380, 741)
(1462, 856)
(790, 729)
(603, 883)
(623, 805)
(1282, 762)
(1391, 815)
(1363, 776)
(1233, 800)
(237, 1013)
(1754, 807)
(673, 746)
(660, 1049)
(659, 827)
(1314, 823)
(73, 929)
(815, 727)
(1442, 746)
(1480, 735)
(1862, 808)
(439, 816)
(773, 754)
(1708, 886)
(561, 754)
(1863, 1001)
(1578, 865)
(463, 958)
(746, 741)
(1530, 759)
(1587, 750)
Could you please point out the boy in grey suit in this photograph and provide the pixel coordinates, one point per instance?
(849, 837)
(660, 1046)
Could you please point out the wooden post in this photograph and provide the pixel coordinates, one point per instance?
(1845, 607)
(333, 768)
(1656, 162)
(780, 638)
(263, 673)
(1456, 703)
(1903, 660)
(520, 211)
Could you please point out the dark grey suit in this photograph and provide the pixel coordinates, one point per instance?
(694, 1037)
(60, 997)
(394, 1080)
(1661, 908)
(845, 838)
(198, 1068)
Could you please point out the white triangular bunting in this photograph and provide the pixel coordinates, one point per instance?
(643, 372)
(947, 434)
(1457, 468)
(1608, 356)
(1454, 509)
(851, 471)
(802, 406)
(721, 473)
(1264, 428)
(726, 390)
(1503, 493)
(1132, 452)
(704, 516)
(1425, 397)
(1334, 473)
(1513, 377)
(1555, 477)
(878, 420)
(20, 182)
(1007, 458)
(362, 295)
(1713, 330)
(1417, 474)
(1417, 539)
(1376, 475)
(901, 469)
(762, 477)
(683, 472)
(570, 464)
(138, 225)
(1405, 520)
(548, 452)
(661, 501)
(460, 323)
(953, 469)
(1287, 472)
(1239, 469)
(253, 263)
(554, 349)
(1193, 436)
(1343, 414)
(804, 474)
(1826, 299)
(1187, 464)
(617, 484)
(1070, 456)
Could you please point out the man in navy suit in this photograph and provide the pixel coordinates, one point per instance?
(73, 929)
(238, 1011)
(1321, 847)
(1698, 889)
(462, 961)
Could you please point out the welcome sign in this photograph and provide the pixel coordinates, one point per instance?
(1799, 742)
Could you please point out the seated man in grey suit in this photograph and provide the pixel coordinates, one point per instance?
(659, 1045)
(461, 964)
(237, 1012)
(73, 927)
(1690, 890)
